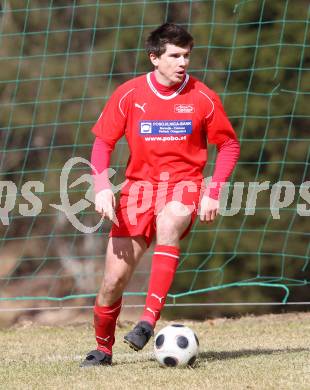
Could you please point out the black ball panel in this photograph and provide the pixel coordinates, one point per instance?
(196, 338)
(170, 361)
(182, 342)
(178, 325)
(192, 360)
(159, 340)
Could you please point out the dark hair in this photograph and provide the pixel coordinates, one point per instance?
(167, 33)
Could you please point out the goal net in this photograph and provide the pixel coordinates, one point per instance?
(61, 60)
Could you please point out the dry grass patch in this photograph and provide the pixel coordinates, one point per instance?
(248, 353)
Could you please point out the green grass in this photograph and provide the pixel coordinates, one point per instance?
(267, 352)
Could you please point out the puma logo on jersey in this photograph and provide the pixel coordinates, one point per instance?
(141, 107)
(152, 311)
(105, 339)
(157, 297)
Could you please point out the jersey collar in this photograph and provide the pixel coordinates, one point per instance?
(165, 97)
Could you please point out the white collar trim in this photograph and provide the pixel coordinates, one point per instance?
(165, 97)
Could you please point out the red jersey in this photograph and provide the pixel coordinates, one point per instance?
(164, 133)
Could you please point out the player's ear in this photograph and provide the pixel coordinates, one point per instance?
(154, 59)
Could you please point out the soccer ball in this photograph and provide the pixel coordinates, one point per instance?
(176, 345)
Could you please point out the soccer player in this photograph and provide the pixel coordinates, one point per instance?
(168, 118)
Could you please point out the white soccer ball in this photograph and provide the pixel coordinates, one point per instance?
(176, 345)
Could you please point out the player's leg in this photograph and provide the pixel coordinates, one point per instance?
(171, 223)
(122, 256)
(170, 226)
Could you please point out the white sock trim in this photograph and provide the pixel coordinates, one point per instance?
(167, 254)
(110, 311)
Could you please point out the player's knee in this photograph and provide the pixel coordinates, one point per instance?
(167, 231)
(170, 228)
(164, 225)
(176, 210)
(112, 285)
(173, 218)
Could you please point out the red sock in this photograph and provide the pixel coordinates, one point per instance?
(164, 264)
(104, 322)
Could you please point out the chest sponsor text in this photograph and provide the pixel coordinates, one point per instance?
(165, 128)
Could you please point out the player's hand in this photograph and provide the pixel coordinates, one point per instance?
(209, 209)
(105, 204)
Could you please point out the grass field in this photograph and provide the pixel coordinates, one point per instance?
(267, 352)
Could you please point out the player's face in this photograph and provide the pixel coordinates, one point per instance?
(171, 66)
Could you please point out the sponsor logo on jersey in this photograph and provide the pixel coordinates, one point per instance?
(166, 128)
(184, 108)
(145, 127)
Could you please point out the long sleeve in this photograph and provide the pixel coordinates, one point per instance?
(227, 157)
(100, 160)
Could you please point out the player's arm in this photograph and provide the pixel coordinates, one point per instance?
(108, 130)
(100, 160)
(221, 133)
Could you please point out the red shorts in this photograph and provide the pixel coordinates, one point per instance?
(140, 203)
